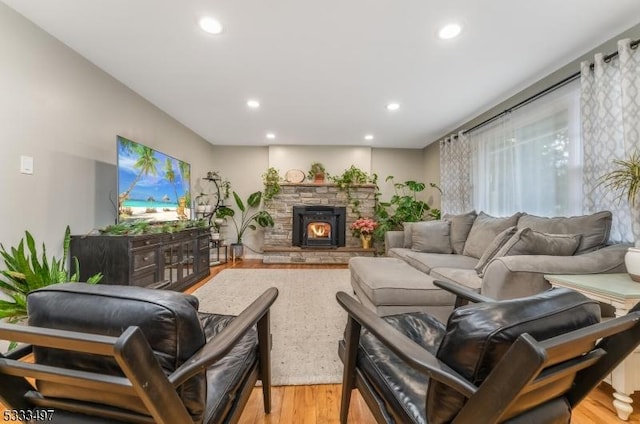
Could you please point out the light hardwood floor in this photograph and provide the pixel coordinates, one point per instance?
(321, 403)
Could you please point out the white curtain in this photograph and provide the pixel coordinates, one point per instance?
(610, 112)
(455, 174)
(529, 160)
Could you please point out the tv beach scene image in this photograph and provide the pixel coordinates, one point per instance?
(152, 186)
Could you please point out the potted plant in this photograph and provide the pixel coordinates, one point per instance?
(317, 172)
(625, 179)
(203, 205)
(26, 271)
(363, 228)
(249, 217)
(271, 180)
(225, 187)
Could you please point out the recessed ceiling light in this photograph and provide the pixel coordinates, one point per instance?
(210, 25)
(253, 104)
(393, 106)
(450, 31)
(271, 136)
(368, 137)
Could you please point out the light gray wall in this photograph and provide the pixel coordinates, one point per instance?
(65, 112)
(431, 170)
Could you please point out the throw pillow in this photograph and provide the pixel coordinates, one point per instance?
(485, 228)
(406, 227)
(460, 227)
(594, 228)
(431, 237)
(530, 242)
(493, 248)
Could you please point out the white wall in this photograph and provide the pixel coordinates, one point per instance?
(64, 112)
(334, 158)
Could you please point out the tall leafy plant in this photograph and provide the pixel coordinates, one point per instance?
(26, 271)
(249, 215)
(404, 206)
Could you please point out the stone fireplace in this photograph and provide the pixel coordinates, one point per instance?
(327, 221)
(319, 226)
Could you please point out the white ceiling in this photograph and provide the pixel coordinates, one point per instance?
(325, 70)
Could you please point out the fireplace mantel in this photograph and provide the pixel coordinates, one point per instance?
(278, 246)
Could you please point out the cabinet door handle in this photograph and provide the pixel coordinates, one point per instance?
(146, 258)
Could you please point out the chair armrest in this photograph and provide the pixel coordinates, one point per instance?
(463, 294)
(226, 339)
(405, 348)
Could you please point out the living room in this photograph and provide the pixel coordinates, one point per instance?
(64, 112)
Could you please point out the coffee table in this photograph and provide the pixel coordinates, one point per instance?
(619, 291)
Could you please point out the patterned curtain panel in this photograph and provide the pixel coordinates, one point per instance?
(610, 112)
(455, 174)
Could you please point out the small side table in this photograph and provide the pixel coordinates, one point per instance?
(218, 246)
(619, 291)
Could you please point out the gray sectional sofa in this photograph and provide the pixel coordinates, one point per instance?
(501, 257)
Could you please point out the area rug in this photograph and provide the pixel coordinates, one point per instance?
(306, 320)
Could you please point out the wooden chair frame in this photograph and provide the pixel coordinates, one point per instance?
(585, 356)
(143, 376)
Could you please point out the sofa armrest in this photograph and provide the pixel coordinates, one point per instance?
(508, 277)
(393, 239)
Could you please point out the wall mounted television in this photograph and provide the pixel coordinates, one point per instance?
(152, 186)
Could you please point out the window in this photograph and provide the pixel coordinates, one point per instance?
(530, 159)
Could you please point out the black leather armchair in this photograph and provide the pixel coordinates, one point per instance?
(527, 360)
(128, 354)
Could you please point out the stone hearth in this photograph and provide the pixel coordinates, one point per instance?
(278, 246)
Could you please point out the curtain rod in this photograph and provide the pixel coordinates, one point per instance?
(565, 81)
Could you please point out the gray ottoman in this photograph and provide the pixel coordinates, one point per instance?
(390, 286)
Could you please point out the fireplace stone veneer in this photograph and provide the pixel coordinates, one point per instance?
(279, 246)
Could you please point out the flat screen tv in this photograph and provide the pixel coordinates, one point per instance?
(152, 186)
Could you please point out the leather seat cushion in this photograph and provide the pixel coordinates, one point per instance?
(169, 321)
(477, 337)
(224, 378)
(401, 388)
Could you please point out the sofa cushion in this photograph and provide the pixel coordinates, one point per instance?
(485, 228)
(460, 227)
(530, 242)
(406, 227)
(466, 277)
(593, 228)
(479, 335)
(391, 281)
(431, 237)
(425, 262)
(493, 247)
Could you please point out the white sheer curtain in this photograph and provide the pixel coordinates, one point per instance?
(610, 109)
(455, 174)
(529, 160)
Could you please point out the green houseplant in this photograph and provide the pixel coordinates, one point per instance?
(317, 173)
(404, 206)
(625, 179)
(271, 180)
(27, 271)
(249, 217)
